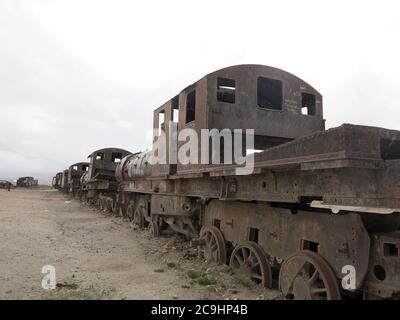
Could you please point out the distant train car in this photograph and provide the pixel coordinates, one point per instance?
(75, 173)
(27, 182)
(98, 184)
(4, 184)
(56, 182)
(64, 181)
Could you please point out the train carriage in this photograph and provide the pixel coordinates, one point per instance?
(56, 182)
(75, 172)
(98, 183)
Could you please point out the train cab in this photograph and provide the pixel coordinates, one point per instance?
(277, 105)
(103, 163)
(75, 173)
(77, 169)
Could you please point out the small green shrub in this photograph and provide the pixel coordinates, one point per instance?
(193, 274)
(242, 280)
(206, 281)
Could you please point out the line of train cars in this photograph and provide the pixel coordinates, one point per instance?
(319, 215)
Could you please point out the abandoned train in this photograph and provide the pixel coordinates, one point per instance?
(320, 210)
(26, 182)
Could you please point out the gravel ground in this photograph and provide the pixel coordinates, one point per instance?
(99, 256)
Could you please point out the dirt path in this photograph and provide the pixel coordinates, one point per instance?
(98, 256)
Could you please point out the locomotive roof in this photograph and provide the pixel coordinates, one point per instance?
(78, 163)
(109, 150)
(240, 71)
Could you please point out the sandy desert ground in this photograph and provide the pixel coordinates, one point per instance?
(99, 256)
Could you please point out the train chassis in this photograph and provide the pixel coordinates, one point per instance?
(272, 245)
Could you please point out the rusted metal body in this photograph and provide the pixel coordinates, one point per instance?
(75, 173)
(237, 98)
(64, 181)
(56, 182)
(98, 184)
(318, 201)
(26, 182)
(4, 184)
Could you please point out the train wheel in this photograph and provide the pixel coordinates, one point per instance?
(138, 217)
(213, 248)
(114, 207)
(121, 211)
(154, 228)
(249, 259)
(109, 205)
(305, 275)
(130, 211)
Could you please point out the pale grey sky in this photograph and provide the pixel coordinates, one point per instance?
(79, 75)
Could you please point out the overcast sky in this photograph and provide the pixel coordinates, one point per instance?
(80, 75)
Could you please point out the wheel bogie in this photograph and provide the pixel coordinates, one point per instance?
(256, 240)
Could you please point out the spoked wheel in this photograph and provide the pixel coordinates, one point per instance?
(138, 217)
(305, 275)
(102, 205)
(122, 211)
(130, 211)
(90, 201)
(114, 208)
(108, 205)
(154, 228)
(249, 259)
(213, 248)
(98, 204)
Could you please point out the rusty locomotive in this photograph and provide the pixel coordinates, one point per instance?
(56, 182)
(26, 182)
(5, 184)
(317, 203)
